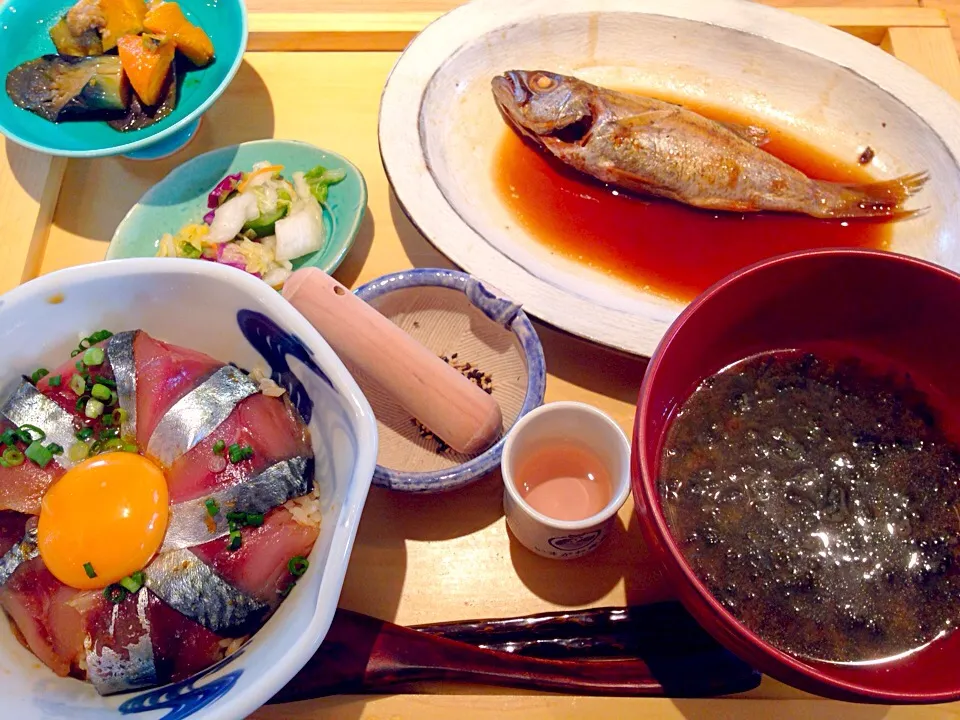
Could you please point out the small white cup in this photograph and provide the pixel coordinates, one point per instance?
(555, 423)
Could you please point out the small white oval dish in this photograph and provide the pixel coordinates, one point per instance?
(439, 128)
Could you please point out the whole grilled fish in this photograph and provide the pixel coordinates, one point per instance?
(657, 148)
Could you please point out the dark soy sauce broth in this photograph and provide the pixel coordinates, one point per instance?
(816, 496)
(662, 246)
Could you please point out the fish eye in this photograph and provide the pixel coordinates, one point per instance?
(544, 82)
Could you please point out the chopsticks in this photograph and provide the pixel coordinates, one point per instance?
(655, 650)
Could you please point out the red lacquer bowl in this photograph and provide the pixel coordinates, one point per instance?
(875, 302)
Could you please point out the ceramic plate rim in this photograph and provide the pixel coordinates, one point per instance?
(166, 133)
(403, 153)
(184, 167)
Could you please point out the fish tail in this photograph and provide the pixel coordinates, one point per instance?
(883, 199)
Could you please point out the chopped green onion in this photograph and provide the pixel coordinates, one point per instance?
(99, 336)
(85, 434)
(38, 453)
(235, 540)
(115, 594)
(88, 569)
(114, 444)
(219, 446)
(55, 449)
(12, 457)
(87, 342)
(56, 380)
(93, 357)
(38, 375)
(298, 565)
(27, 431)
(78, 451)
(93, 409)
(109, 432)
(236, 453)
(100, 392)
(119, 416)
(10, 437)
(212, 507)
(4, 463)
(78, 384)
(81, 401)
(106, 381)
(244, 519)
(133, 583)
(114, 398)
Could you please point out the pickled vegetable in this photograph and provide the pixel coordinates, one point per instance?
(166, 18)
(146, 59)
(84, 44)
(59, 88)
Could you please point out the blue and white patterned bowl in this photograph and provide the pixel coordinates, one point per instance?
(236, 318)
(501, 311)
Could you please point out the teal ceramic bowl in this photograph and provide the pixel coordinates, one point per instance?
(181, 198)
(24, 27)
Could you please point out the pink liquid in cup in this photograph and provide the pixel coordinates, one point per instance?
(564, 481)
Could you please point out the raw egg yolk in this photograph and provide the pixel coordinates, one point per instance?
(105, 517)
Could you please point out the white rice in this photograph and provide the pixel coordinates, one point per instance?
(306, 508)
(230, 645)
(267, 386)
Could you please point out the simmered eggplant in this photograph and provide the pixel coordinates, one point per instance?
(58, 88)
(85, 44)
(139, 116)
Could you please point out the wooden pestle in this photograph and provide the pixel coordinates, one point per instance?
(449, 405)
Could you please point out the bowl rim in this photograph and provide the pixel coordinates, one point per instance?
(236, 704)
(652, 519)
(186, 166)
(473, 469)
(177, 127)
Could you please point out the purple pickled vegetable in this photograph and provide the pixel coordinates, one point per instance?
(229, 255)
(223, 190)
(208, 218)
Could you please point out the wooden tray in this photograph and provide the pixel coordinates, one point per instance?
(318, 77)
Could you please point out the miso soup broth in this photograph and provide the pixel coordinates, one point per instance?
(817, 499)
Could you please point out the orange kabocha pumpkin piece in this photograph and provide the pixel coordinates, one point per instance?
(121, 17)
(146, 60)
(166, 18)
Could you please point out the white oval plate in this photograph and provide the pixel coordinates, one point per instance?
(439, 128)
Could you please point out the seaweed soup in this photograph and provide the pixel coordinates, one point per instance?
(816, 496)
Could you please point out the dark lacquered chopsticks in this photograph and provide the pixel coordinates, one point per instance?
(654, 650)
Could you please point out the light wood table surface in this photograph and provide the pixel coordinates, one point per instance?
(428, 559)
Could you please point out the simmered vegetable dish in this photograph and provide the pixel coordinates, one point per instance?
(117, 61)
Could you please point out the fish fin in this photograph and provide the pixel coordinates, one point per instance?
(878, 199)
(753, 134)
